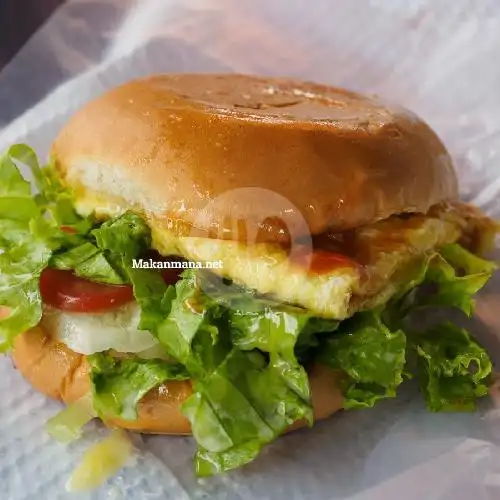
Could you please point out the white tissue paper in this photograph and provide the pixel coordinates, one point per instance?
(436, 57)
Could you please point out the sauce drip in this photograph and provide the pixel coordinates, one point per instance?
(321, 261)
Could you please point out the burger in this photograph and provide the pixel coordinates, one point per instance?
(234, 257)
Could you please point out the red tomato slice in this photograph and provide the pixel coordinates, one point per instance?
(63, 290)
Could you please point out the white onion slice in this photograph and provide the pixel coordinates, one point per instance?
(88, 333)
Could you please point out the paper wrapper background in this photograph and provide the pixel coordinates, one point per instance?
(439, 58)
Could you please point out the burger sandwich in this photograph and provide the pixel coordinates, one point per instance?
(234, 257)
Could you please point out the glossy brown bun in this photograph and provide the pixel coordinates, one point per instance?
(167, 145)
(60, 373)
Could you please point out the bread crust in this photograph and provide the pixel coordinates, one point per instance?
(206, 154)
(60, 373)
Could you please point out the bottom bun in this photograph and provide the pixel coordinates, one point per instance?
(60, 373)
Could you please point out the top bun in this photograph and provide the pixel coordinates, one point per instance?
(184, 149)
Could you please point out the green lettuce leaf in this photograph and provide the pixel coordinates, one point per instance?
(186, 316)
(275, 332)
(371, 355)
(20, 269)
(30, 236)
(127, 235)
(452, 290)
(456, 275)
(311, 338)
(242, 399)
(455, 370)
(52, 197)
(67, 425)
(465, 261)
(118, 384)
(106, 256)
(240, 407)
(24, 251)
(115, 244)
(16, 198)
(87, 261)
(153, 296)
